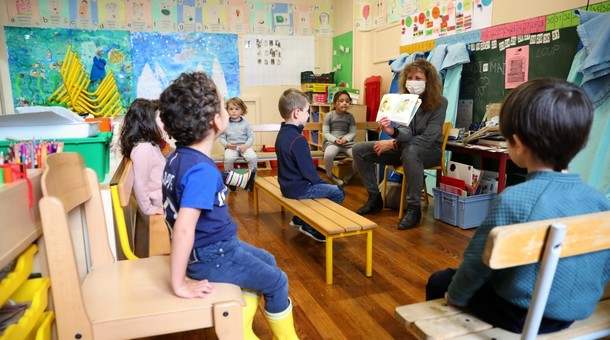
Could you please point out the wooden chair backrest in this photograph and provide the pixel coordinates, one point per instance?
(524, 243)
(74, 229)
(446, 130)
(121, 185)
(123, 178)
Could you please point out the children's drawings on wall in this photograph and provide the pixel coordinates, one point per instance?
(215, 16)
(260, 17)
(237, 17)
(55, 13)
(164, 15)
(324, 24)
(445, 19)
(303, 19)
(282, 18)
(35, 56)
(111, 14)
(23, 12)
(137, 15)
(81, 14)
(363, 9)
(187, 13)
(158, 58)
(277, 60)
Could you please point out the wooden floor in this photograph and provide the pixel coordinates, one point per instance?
(354, 307)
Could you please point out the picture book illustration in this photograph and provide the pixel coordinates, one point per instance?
(399, 108)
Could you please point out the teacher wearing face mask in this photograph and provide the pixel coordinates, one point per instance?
(415, 146)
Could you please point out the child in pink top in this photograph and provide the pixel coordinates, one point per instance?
(141, 140)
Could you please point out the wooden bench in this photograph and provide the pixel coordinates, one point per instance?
(151, 230)
(267, 157)
(326, 216)
(516, 245)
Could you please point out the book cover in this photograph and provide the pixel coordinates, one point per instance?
(399, 108)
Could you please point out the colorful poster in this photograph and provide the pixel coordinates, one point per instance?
(324, 24)
(35, 56)
(517, 66)
(260, 17)
(164, 15)
(158, 58)
(408, 7)
(81, 14)
(379, 13)
(364, 19)
(237, 16)
(23, 12)
(111, 14)
(277, 60)
(55, 13)
(445, 18)
(282, 16)
(215, 16)
(393, 11)
(303, 19)
(137, 14)
(186, 13)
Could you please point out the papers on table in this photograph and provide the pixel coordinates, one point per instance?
(399, 108)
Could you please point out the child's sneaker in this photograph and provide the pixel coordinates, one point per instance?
(311, 232)
(336, 181)
(250, 183)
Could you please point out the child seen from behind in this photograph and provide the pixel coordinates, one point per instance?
(204, 236)
(141, 141)
(339, 129)
(546, 122)
(296, 171)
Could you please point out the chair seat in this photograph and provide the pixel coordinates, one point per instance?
(130, 299)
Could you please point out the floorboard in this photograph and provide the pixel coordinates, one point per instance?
(354, 307)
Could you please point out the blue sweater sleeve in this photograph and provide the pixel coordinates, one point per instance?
(304, 162)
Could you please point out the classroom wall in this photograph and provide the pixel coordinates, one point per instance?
(379, 46)
(262, 99)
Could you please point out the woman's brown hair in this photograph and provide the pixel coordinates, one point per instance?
(432, 96)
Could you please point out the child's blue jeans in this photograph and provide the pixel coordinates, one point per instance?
(322, 190)
(237, 262)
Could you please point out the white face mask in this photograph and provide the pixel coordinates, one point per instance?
(416, 86)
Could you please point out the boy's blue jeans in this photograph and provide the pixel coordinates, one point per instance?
(237, 262)
(322, 190)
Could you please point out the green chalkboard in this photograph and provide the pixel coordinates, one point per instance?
(483, 78)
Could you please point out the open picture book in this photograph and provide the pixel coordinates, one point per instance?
(399, 108)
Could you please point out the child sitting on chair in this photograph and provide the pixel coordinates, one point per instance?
(238, 140)
(141, 141)
(546, 123)
(296, 172)
(204, 236)
(339, 129)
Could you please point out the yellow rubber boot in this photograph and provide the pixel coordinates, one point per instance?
(282, 324)
(248, 312)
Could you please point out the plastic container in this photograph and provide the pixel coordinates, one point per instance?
(43, 328)
(17, 277)
(314, 136)
(36, 292)
(95, 151)
(463, 212)
(314, 117)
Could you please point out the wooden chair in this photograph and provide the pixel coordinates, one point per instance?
(543, 242)
(96, 296)
(440, 170)
(123, 203)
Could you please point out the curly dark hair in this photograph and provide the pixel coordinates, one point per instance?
(432, 96)
(140, 125)
(552, 117)
(338, 95)
(188, 106)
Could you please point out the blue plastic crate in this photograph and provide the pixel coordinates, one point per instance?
(314, 117)
(462, 212)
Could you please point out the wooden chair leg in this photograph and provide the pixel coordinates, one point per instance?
(385, 184)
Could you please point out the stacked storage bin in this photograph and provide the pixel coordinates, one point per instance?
(16, 288)
(315, 86)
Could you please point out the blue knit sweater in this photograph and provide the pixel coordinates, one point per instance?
(579, 280)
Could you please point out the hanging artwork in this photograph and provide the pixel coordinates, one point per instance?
(159, 58)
